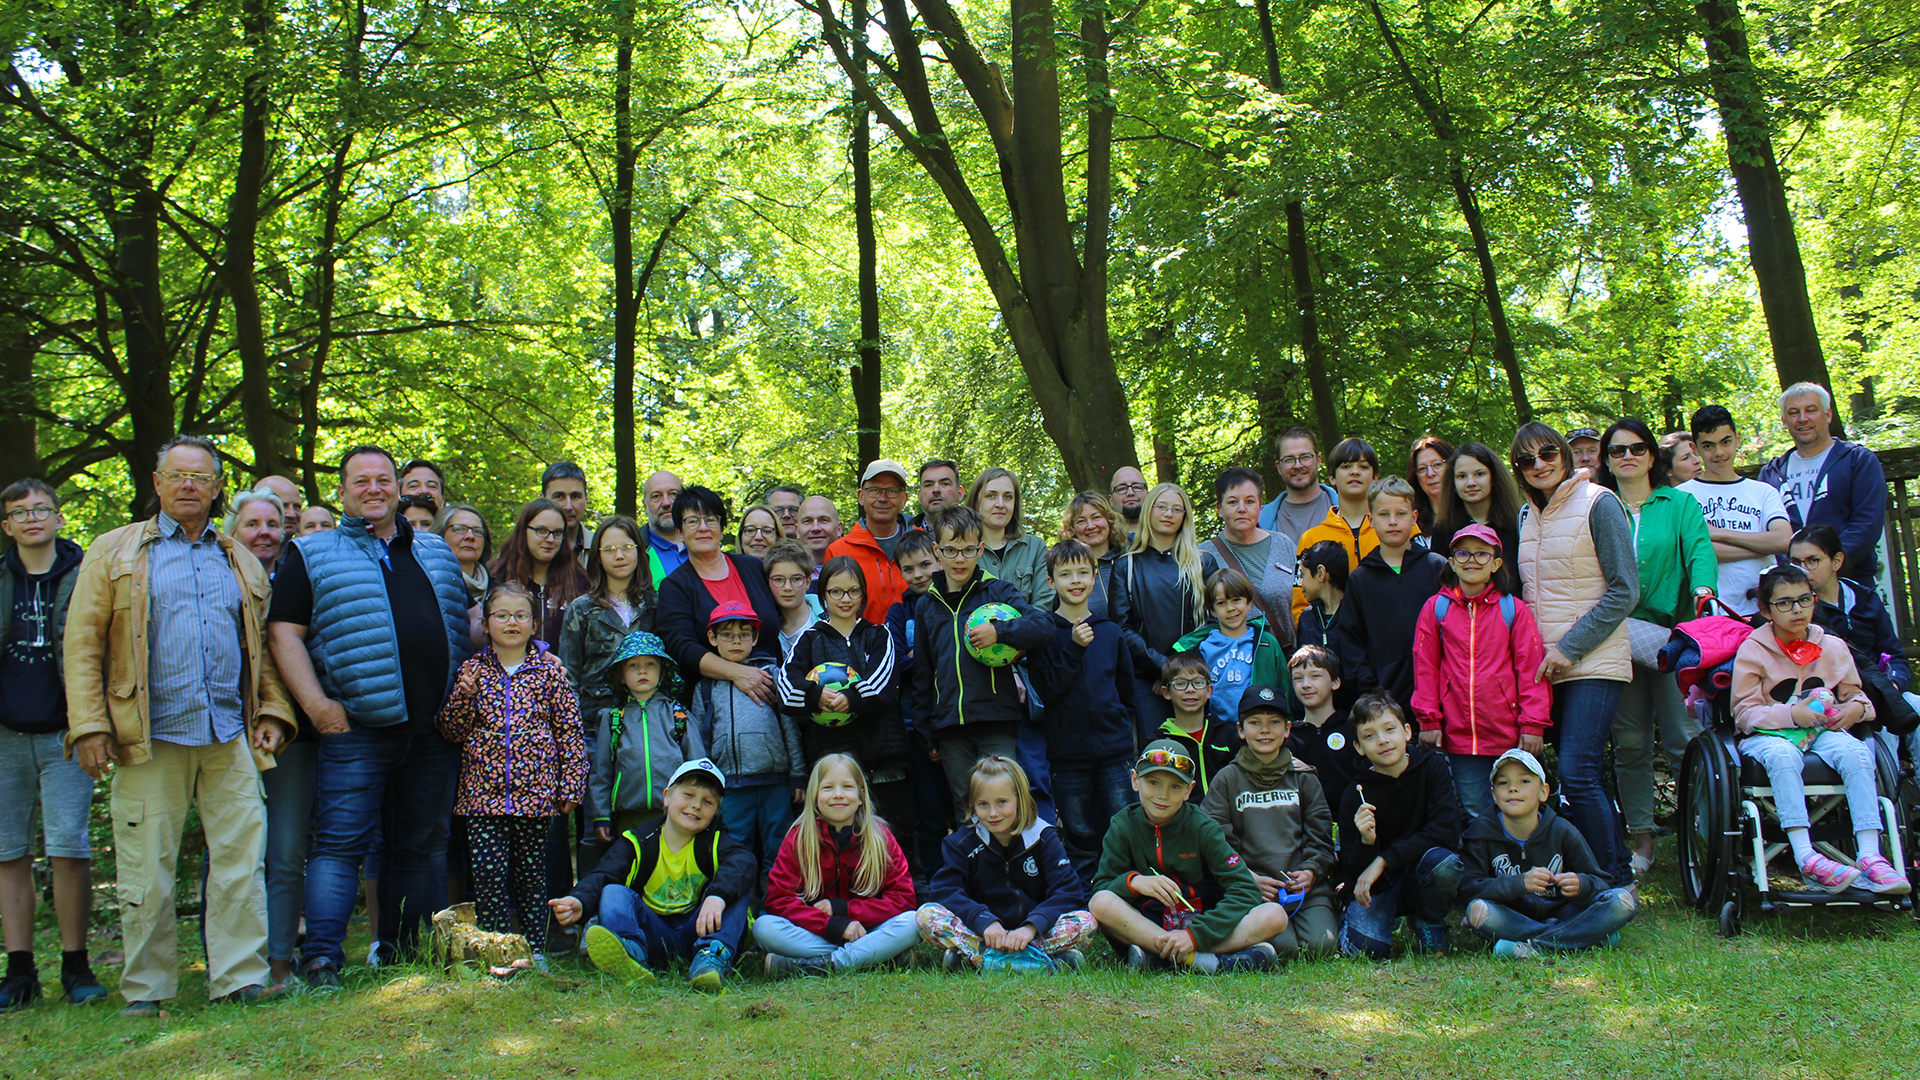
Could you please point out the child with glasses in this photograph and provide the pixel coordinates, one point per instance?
(1475, 649)
(756, 745)
(523, 759)
(1185, 682)
(841, 686)
(1171, 891)
(1795, 692)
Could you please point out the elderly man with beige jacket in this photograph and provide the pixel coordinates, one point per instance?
(170, 682)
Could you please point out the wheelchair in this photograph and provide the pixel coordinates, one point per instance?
(1730, 831)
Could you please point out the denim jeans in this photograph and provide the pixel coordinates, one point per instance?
(1368, 931)
(1088, 795)
(1473, 781)
(1849, 756)
(653, 938)
(289, 787)
(1569, 927)
(400, 780)
(758, 817)
(961, 746)
(934, 807)
(1651, 712)
(881, 943)
(1583, 712)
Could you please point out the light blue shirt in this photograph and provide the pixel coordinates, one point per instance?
(1230, 667)
(194, 652)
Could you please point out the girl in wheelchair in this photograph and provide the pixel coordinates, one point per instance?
(1796, 691)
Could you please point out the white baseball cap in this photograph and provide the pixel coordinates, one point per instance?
(704, 765)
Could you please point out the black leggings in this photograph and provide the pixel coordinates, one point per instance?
(509, 874)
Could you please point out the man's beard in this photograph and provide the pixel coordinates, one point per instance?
(1131, 513)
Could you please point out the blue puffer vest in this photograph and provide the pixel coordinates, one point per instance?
(352, 640)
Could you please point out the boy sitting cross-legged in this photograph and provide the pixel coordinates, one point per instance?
(1531, 883)
(1171, 888)
(1399, 827)
(678, 889)
(1275, 814)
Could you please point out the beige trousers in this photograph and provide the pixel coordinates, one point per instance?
(149, 807)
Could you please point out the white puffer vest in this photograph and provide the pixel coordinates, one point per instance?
(1562, 576)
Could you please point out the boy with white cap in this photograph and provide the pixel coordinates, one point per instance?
(1531, 883)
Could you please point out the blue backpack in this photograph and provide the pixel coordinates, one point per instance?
(1442, 602)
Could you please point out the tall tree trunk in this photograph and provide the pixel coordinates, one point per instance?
(142, 309)
(626, 310)
(243, 225)
(866, 373)
(1772, 244)
(19, 430)
(1444, 129)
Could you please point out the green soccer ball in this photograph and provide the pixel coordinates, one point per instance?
(998, 654)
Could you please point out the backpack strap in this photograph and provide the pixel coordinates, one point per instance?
(1507, 609)
(1441, 602)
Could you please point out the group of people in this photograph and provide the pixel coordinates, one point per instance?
(626, 736)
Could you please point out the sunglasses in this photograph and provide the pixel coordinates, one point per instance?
(1162, 759)
(1620, 450)
(1523, 462)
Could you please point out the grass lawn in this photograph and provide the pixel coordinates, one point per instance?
(1796, 995)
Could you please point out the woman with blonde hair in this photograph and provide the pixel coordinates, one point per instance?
(1092, 520)
(1159, 591)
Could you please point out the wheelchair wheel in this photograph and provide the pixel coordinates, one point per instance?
(1729, 919)
(1706, 809)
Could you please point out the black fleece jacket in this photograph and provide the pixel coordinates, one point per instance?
(1412, 812)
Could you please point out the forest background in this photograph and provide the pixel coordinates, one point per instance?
(762, 241)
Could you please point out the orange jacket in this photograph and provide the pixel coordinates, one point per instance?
(885, 583)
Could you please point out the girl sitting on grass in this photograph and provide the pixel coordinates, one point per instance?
(839, 895)
(1005, 884)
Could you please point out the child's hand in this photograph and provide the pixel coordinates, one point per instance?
(854, 932)
(604, 832)
(568, 807)
(1364, 822)
(1269, 887)
(566, 910)
(933, 753)
(825, 907)
(1430, 737)
(1017, 940)
(1363, 885)
(1175, 945)
(711, 910)
(1569, 884)
(798, 795)
(1537, 880)
(983, 635)
(1301, 881)
(1850, 714)
(1082, 634)
(1805, 717)
(1158, 887)
(994, 936)
(1533, 744)
(834, 701)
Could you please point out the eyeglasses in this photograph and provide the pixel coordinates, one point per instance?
(843, 594)
(1160, 759)
(30, 513)
(193, 479)
(512, 616)
(466, 530)
(759, 530)
(546, 533)
(1432, 468)
(787, 511)
(695, 521)
(737, 634)
(1620, 450)
(797, 581)
(1792, 603)
(1473, 558)
(886, 492)
(619, 549)
(1290, 462)
(1189, 684)
(1547, 453)
(959, 553)
(1125, 489)
(1807, 561)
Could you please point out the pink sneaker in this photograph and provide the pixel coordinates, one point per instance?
(1825, 875)
(1881, 877)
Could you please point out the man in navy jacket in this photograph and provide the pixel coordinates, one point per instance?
(1828, 481)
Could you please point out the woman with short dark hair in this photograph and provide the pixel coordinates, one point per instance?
(709, 578)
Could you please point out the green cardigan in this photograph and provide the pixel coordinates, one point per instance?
(1675, 555)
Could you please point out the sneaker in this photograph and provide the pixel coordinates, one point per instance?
(1432, 939)
(322, 977)
(1613, 940)
(1069, 959)
(19, 991)
(786, 967)
(141, 1010)
(81, 987)
(708, 972)
(254, 994)
(540, 964)
(1515, 950)
(1256, 957)
(1824, 875)
(953, 960)
(610, 955)
(1881, 876)
(1641, 864)
(1140, 959)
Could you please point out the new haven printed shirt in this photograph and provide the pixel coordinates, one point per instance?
(1742, 505)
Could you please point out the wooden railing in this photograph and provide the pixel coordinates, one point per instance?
(1901, 546)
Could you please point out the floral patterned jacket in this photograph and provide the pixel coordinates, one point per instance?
(522, 753)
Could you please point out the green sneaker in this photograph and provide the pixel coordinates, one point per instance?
(610, 955)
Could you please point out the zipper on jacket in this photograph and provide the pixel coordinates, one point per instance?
(1473, 677)
(509, 740)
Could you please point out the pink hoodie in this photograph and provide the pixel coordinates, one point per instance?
(1473, 675)
(1764, 678)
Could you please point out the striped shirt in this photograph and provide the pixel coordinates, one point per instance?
(194, 655)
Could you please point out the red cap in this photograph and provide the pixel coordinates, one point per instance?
(1481, 533)
(733, 611)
